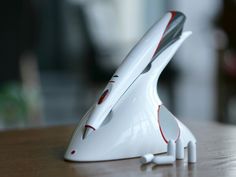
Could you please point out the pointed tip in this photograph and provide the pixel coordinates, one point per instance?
(186, 34)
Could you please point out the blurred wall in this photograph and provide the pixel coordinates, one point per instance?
(197, 60)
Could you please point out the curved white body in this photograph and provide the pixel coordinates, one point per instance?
(135, 62)
(131, 122)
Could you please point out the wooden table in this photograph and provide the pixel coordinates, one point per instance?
(39, 153)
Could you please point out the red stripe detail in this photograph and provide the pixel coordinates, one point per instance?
(173, 13)
(162, 134)
(89, 126)
(158, 120)
(112, 81)
(103, 96)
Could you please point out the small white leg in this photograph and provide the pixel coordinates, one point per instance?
(147, 158)
(164, 160)
(179, 149)
(171, 148)
(192, 152)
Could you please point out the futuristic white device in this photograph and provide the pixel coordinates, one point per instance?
(129, 119)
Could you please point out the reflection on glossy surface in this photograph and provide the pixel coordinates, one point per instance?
(40, 153)
(215, 158)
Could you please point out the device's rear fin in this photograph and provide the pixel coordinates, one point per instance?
(172, 33)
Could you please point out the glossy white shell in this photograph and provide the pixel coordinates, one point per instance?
(137, 124)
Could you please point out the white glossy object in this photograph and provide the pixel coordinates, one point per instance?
(129, 119)
(135, 62)
(171, 148)
(164, 160)
(179, 149)
(147, 158)
(192, 152)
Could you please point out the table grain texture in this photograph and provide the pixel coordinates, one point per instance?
(39, 153)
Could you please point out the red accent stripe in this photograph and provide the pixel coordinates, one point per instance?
(112, 81)
(158, 120)
(162, 134)
(103, 96)
(173, 13)
(89, 126)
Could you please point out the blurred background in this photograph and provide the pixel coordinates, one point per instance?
(56, 56)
